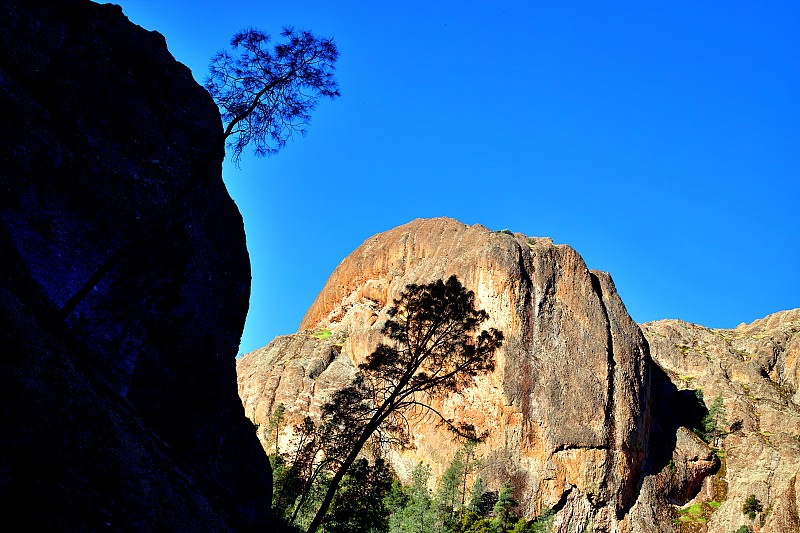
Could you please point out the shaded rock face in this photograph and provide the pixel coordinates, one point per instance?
(754, 369)
(568, 404)
(110, 160)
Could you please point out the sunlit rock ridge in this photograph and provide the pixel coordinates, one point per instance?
(580, 417)
(567, 406)
(755, 369)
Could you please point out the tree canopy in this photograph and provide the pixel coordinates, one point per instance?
(267, 95)
(433, 348)
(752, 506)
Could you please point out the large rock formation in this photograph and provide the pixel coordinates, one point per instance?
(119, 405)
(580, 418)
(754, 369)
(568, 403)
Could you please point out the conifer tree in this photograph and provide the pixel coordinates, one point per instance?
(433, 349)
(267, 95)
(275, 421)
(448, 495)
(504, 515)
(475, 496)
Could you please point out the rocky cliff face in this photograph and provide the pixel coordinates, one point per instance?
(568, 404)
(120, 404)
(581, 419)
(754, 369)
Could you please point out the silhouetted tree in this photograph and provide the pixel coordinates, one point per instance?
(433, 349)
(301, 476)
(266, 96)
(294, 473)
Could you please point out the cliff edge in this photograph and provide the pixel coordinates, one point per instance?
(124, 284)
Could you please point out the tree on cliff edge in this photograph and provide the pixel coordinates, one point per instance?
(266, 96)
(433, 350)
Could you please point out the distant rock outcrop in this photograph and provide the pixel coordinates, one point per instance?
(754, 369)
(568, 404)
(121, 413)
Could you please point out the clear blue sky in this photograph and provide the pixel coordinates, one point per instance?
(663, 143)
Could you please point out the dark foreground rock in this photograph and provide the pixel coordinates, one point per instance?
(119, 407)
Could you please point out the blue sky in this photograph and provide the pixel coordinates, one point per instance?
(661, 142)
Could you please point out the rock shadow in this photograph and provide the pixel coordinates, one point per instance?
(671, 408)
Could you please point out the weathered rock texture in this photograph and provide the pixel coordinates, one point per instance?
(568, 404)
(125, 412)
(755, 369)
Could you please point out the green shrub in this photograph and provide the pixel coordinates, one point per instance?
(752, 507)
(322, 334)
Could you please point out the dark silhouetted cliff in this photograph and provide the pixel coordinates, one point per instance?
(121, 412)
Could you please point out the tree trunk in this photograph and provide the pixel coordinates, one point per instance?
(337, 478)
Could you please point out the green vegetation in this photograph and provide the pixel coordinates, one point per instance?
(417, 512)
(451, 495)
(504, 516)
(325, 334)
(752, 506)
(693, 514)
(434, 348)
(275, 421)
(417, 509)
(714, 424)
(743, 529)
(322, 334)
(370, 499)
(361, 502)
